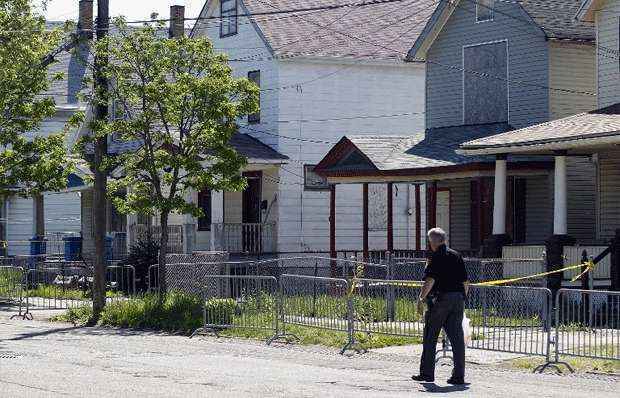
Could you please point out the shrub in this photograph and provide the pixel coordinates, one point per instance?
(220, 311)
(176, 312)
(142, 255)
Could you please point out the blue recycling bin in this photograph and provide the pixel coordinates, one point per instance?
(38, 246)
(73, 248)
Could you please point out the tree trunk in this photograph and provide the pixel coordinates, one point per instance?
(101, 180)
(163, 250)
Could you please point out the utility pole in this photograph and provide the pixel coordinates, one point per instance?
(100, 174)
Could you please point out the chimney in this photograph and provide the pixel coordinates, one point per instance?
(85, 19)
(177, 22)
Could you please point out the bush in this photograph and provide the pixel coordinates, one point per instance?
(220, 311)
(142, 255)
(177, 312)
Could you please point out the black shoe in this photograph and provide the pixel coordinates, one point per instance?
(456, 382)
(423, 378)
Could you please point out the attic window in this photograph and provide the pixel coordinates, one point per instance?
(484, 10)
(228, 12)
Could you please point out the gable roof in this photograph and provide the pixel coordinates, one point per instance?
(373, 31)
(555, 18)
(557, 134)
(435, 148)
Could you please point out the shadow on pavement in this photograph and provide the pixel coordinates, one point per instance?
(434, 388)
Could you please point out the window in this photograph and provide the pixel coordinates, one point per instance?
(254, 76)
(484, 10)
(204, 203)
(228, 12)
(313, 181)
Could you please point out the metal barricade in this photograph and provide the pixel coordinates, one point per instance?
(120, 281)
(315, 302)
(510, 319)
(58, 287)
(587, 324)
(245, 302)
(387, 307)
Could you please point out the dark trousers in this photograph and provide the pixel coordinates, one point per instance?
(445, 311)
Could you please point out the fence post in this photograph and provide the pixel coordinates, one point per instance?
(390, 289)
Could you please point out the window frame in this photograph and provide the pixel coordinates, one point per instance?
(254, 118)
(307, 187)
(227, 20)
(488, 7)
(204, 222)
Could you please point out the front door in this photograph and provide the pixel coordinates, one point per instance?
(251, 212)
(443, 211)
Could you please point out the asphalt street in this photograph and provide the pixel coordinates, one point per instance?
(41, 359)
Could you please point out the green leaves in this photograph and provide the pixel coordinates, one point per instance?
(179, 100)
(29, 163)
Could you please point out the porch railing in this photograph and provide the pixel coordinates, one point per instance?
(139, 232)
(251, 238)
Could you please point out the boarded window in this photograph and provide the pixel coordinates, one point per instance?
(254, 76)
(204, 203)
(377, 207)
(314, 181)
(228, 11)
(484, 10)
(485, 83)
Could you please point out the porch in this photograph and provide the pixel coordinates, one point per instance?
(593, 135)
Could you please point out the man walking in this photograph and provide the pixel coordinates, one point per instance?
(444, 290)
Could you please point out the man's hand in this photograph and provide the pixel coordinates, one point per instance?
(420, 306)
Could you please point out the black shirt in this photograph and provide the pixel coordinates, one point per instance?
(447, 268)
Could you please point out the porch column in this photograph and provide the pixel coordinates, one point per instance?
(431, 205)
(555, 244)
(492, 247)
(390, 217)
(217, 220)
(365, 221)
(499, 197)
(37, 243)
(418, 218)
(332, 220)
(559, 196)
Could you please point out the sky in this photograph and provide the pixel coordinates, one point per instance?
(60, 10)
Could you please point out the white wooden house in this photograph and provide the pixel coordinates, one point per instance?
(323, 74)
(61, 214)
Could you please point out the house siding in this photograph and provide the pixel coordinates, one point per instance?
(539, 205)
(608, 26)
(609, 195)
(247, 52)
(460, 212)
(581, 206)
(62, 210)
(330, 106)
(528, 61)
(571, 67)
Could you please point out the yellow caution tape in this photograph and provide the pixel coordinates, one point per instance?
(589, 267)
(502, 281)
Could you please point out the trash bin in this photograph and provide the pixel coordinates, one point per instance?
(38, 246)
(73, 248)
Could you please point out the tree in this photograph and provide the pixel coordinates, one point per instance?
(29, 163)
(178, 99)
